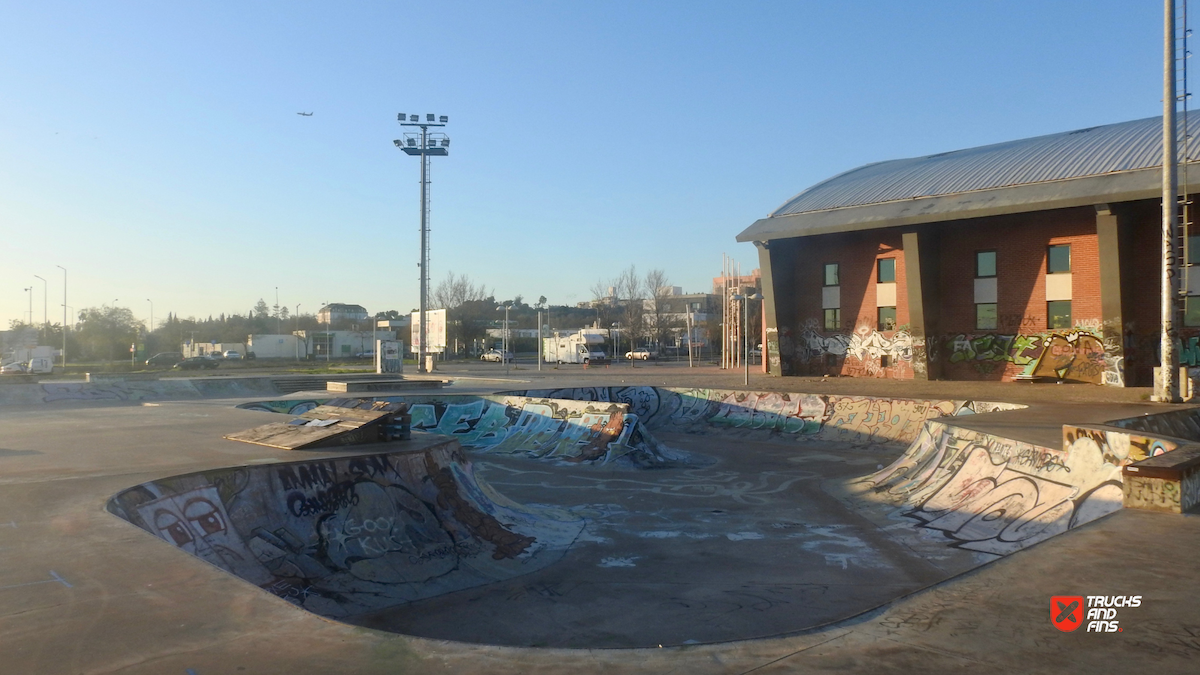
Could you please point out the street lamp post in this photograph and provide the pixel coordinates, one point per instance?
(689, 339)
(43, 303)
(423, 145)
(151, 327)
(504, 337)
(328, 331)
(296, 325)
(64, 351)
(617, 341)
(746, 330)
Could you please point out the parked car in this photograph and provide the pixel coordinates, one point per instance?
(14, 368)
(197, 363)
(165, 359)
(231, 355)
(496, 356)
(642, 354)
(251, 355)
(369, 354)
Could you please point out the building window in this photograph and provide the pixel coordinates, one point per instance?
(1193, 250)
(833, 319)
(985, 264)
(1191, 310)
(887, 270)
(985, 316)
(1058, 259)
(1058, 314)
(887, 318)
(831, 275)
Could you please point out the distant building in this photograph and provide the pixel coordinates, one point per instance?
(337, 313)
(752, 280)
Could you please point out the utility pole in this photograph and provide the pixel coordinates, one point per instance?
(1167, 386)
(440, 147)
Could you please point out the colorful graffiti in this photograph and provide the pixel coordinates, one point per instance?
(1077, 355)
(352, 534)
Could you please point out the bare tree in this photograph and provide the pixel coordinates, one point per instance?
(453, 291)
(631, 295)
(602, 302)
(658, 324)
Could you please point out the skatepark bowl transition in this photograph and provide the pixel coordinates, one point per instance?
(636, 516)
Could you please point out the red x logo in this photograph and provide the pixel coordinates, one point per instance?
(1066, 612)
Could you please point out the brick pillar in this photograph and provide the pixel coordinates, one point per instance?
(921, 281)
(777, 262)
(1110, 228)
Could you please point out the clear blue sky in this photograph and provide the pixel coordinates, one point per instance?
(153, 149)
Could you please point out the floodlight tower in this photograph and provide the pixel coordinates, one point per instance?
(424, 145)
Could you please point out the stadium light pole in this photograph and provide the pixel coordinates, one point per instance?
(423, 145)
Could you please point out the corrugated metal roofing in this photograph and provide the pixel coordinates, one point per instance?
(1095, 151)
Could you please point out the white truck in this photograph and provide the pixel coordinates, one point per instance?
(574, 348)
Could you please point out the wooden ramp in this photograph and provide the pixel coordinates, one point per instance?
(341, 421)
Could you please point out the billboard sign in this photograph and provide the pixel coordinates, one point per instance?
(436, 331)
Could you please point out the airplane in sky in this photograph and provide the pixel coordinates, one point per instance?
(304, 114)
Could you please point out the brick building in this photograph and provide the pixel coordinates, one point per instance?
(1033, 258)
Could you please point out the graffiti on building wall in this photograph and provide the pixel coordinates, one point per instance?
(865, 352)
(347, 535)
(1075, 354)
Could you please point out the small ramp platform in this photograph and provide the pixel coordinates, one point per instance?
(343, 421)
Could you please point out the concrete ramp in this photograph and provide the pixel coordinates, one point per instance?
(341, 422)
(769, 415)
(347, 535)
(589, 432)
(995, 495)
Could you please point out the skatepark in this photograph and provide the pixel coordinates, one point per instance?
(592, 522)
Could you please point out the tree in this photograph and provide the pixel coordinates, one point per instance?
(658, 324)
(630, 295)
(261, 311)
(453, 291)
(107, 331)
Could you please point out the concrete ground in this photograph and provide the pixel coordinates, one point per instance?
(84, 592)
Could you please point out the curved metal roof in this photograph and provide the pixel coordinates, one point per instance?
(1085, 152)
(1113, 162)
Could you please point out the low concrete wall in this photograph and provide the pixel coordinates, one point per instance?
(133, 390)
